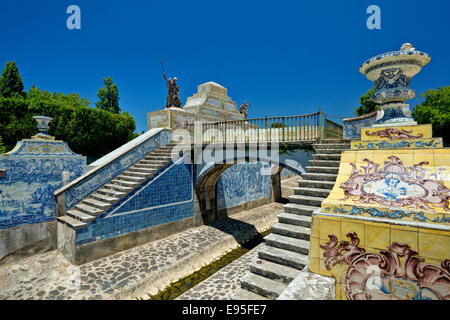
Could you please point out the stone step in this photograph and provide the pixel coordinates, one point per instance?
(125, 183)
(153, 161)
(112, 193)
(342, 146)
(316, 184)
(118, 187)
(147, 166)
(242, 294)
(72, 223)
(88, 209)
(97, 204)
(140, 174)
(145, 170)
(287, 243)
(333, 170)
(105, 198)
(299, 209)
(289, 230)
(79, 215)
(323, 193)
(274, 271)
(125, 177)
(330, 150)
(325, 163)
(319, 176)
(284, 257)
(295, 219)
(262, 285)
(306, 200)
(158, 157)
(326, 156)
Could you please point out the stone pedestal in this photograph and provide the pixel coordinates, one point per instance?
(384, 230)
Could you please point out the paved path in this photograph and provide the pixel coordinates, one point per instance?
(136, 272)
(221, 284)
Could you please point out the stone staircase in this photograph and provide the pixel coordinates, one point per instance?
(285, 250)
(105, 197)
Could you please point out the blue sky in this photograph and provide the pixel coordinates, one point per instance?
(286, 57)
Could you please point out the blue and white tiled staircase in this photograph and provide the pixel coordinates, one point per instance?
(118, 188)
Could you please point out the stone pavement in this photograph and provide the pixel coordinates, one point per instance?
(221, 284)
(136, 272)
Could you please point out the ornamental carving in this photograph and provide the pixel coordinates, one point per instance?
(397, 272)
(395, 185)
(394, 134)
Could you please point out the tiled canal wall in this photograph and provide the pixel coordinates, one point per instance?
(31, 172)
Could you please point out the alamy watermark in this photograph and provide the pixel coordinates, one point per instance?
(374, 20)
(74, 20)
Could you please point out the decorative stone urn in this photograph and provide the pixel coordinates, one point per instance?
(43, 122)
(391, 72)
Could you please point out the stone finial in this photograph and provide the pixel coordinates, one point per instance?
(407, 47)
(42, 124)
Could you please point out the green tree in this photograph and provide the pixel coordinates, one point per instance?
(367, 105)
(435, 110)
(11, 84)
(2, 146)
(109, 97)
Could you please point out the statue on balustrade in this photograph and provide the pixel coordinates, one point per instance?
(173, 99)
(243, 109)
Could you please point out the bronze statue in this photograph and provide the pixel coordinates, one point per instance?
(173, 99)
(243, 109)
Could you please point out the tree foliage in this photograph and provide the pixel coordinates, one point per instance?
(367, 105)
(108, 97)
(2, 146)
(88, 131)
(435, 109)
(11, 84)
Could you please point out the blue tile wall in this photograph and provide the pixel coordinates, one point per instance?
(167, 198)
(241, 183)
(352, 129)
(33, 171)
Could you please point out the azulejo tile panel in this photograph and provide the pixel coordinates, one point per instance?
(352, 128)
(429, 143)
(398, 133)
(168, 198)
(381, 184)
(385, 261)
(241, 183)
(33, 171)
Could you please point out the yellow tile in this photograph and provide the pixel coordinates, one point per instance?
(405, 235)
(347, 227)
(329, 227)
(407, 158)
(380, 156)
(314, 248)
(434, 246)
(442, 159)
(377, 235)
(338, 291)
(336, 194)
(314, 265)
(315, 227)
(348, 156)
(345, 168)
(361, 155)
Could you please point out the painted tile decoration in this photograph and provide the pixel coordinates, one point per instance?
(167, 198)
(393, 134)
(352, 128)
(397, 273)
(33, 171)
(241, 183)
(395, 185)
(404, 144)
